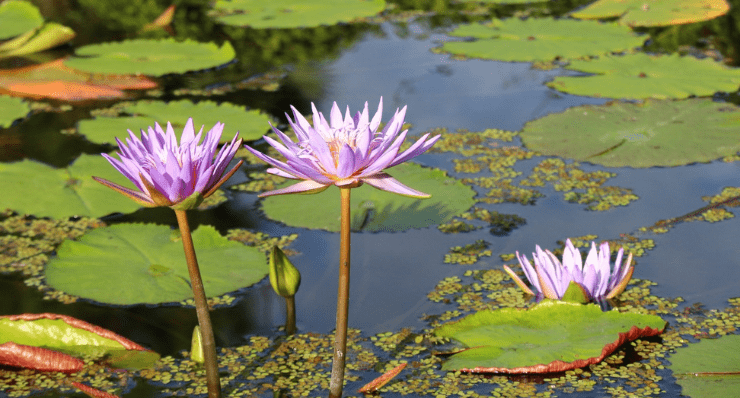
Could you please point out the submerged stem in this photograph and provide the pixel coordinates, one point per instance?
(210, 360)
(340, 341)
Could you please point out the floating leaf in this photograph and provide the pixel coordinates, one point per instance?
(48, 36)
(18, 17)
(543, 39)
(656, 133)
(34, 188)
(709, 368)
(282, 14)
(150, 57)
(376, 210)
(641, 76)
(251, 124)
(46, 342)
(382, 380)
(654, 12)
(54, 80)
(12, 109)
(104, 264)
(553, 336)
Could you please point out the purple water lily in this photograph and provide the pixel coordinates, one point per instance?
(551, 278)
(345, 152)
(168, 174)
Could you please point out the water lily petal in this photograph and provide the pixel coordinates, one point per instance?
(385, 182)
(305, 186)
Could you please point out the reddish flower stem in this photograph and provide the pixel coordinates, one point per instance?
(210, 361)
(340, 341)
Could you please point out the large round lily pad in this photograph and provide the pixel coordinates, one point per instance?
(654, 12)
(656, 133)
(709, 368)
(261, 14)
(640, 76)
(142, 263)
(376, 210)
(251, 124)
(553, 336)
(12, 109)
(18, 17)
(150, 57)
(541, 39)
(30, 187)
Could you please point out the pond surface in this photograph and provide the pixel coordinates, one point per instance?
(392, 272)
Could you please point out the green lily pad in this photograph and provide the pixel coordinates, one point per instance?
(48, 36)
(150, 57)
(541, 39)
(656, 133)
(502, 1)
(34, 188)
(128, 264)
(709, 368)
(376, 210)
(12, 109)
(282, 14)
(18, 17)
(251, 124)
(654, 12)
(640, 76)
(553, 336)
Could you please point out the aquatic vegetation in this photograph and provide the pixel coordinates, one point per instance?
(654, 13)
(468, 254)
(23, 24)
(708, 368)
(12, 109)
(596, 277)
(285, 280)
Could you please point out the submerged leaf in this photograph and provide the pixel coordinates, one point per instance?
(553, 336)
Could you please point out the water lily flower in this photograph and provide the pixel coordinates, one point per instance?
(551, 278)
(168, 174)
(345, 152)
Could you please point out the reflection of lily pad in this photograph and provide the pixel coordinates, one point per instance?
(31, 187)
(251, 124)
(656, 133)
(553, 336)
(541, 39)
(18, 17)
(654, 12)
(150, 57)
(376, 210)
(646, 76)
(709, 368)
(12, 109)
(261, 14)
(136, 263)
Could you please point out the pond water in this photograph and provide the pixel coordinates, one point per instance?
(392, 272)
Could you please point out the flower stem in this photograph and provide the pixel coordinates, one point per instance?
(340, 341)
(290, 315)
(201, 308)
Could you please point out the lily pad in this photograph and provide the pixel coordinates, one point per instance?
(656, 133)
(12, 109)
(640, 76)
(48, 36)
(128, 264)
(18, 17)
(709, 368)
(150, 57)
(541, 39)
(654, 12)
(251, 124)
(283, 14)
(376, 210)
(34, 188)
(553, 336)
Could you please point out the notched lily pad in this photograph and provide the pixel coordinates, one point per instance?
(709, 368)
(541, 39)
(376, 210)
(103, 265)
(656, 133)
(640, 76)
(553, 336)
(251, 124)
(291, 14)
(654, 12)
(150, 57)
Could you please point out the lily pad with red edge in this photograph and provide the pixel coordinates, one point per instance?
(51, 342)
(709, 368)
(553, 336)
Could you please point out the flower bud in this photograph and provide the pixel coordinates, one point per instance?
(284, 277)
(196, 349)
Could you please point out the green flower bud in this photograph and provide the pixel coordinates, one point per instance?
(196, 349)
(284, 277)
